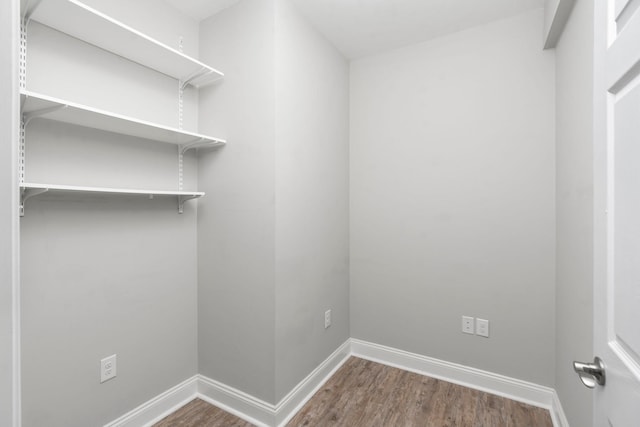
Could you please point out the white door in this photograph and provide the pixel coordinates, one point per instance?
(617, 211)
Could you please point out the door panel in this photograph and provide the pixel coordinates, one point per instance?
(624, 11)
(617, 211)
(625, 227)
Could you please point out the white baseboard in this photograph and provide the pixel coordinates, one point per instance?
(557, 413)
(236, 402)
(264, 414)
(160, 406)
(296, 398)
(478, 379)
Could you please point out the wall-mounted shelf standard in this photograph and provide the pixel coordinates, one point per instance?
(37, 105)
(85, 23)
(28, 190)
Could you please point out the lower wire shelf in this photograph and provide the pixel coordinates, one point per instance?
(28, 190)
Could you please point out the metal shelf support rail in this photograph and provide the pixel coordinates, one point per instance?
(24, 122)
(182, 149)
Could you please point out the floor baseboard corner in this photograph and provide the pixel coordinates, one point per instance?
(296, 398)
(236, 402)
(264, 414)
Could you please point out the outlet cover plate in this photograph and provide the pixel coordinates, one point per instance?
(327, 319)
(482, 328)
(108, 368)
(468, 325)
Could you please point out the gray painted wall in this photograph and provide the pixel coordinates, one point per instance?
(574, 223)
(104, 275)
(312, 198)
(452, 198)
(236, 221)
(273, 233)
(9, 36)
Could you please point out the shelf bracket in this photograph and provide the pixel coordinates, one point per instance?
(27, 193)
(187, 81)
(193, 145)
(182, 149)
(182, 85)
(27, 117)
(200, 142)
(181, 200)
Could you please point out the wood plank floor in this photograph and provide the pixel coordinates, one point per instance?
(199, 413)
(367, 394)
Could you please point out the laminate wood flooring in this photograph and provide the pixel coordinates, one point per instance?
(199, 413)
(367, 394)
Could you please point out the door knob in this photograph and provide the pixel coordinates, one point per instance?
(591, 373)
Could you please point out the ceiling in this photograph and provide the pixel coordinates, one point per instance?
(363, 27)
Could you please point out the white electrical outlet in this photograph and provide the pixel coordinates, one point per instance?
(482, 328)
(467, 325)
(327, 319)
(107, 368)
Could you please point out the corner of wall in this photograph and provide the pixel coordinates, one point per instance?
(574, 209)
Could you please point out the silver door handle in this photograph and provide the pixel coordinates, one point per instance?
(591, 373)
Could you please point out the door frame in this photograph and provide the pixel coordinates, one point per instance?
(10, 411)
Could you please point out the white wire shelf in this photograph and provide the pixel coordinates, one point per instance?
(28, 190)
(92, 26)
(38, 105)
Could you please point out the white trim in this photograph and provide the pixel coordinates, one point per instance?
(16, 289)
(160, 406)
(557, 412)
(236, 402)
(296, 398)
(264, 414)
(512, 388)
(11, 12)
